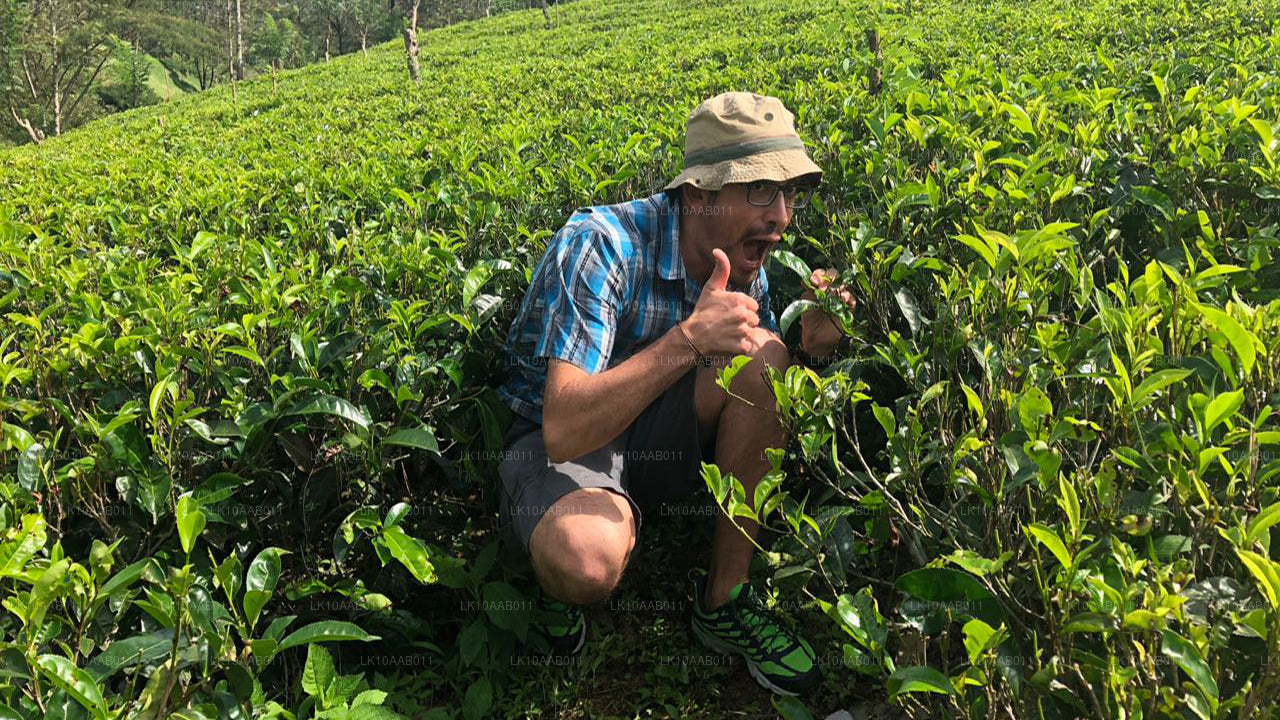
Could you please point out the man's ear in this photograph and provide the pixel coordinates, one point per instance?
(696, 196)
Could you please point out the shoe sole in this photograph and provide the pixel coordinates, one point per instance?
(725, 648)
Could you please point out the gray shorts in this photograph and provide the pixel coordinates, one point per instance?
(657, 459)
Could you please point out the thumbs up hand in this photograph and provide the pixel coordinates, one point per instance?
(725, 323)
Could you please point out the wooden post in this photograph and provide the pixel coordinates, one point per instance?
(874, 81)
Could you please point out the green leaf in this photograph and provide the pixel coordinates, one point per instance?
(478, 700)
(190, 521)
(885, 417)
(984, 251)
(726, 375)
(504, 605)
(954, 590)
(975, 404)
(1144, 394)
(1186, 656)
(1069, 501)
(74, 681)
(1088, 622)
(15, 554)
(423, 438)
(330, 405)
(790, 261)
(411, 553)
(139, 649)
(1241, 340)
(29, 475)
(1265, 134)
(325, 631)
(123, 579)
(318, 674)
(793, 313)
(1221, 408)
(918, 678)
(369, 697)
(260, 582)
(1266, 572)
(790, 708)
(1033, 407)
(1262, 522)
(910, 309)
(217, 488)
(157, 395)
(1050, 539)
(1154, 198)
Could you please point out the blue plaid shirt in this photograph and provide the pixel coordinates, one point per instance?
(611, 282)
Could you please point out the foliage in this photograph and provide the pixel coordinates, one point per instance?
(1044, 482)
(128, 87)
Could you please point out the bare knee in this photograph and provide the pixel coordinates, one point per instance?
(754, 378)
(581, 546)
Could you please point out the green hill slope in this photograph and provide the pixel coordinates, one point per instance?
(1048, 459)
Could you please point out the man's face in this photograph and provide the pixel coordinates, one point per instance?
(744, 231)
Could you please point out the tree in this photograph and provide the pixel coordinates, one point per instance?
(276, 44)
(411, 39)
(129, 71)
(365, 16)
(47, 76)
(183, 45)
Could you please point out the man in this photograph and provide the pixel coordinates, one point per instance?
(628, 316)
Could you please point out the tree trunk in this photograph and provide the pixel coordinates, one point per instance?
(411, 41)
(231, 54)
(56, 73)
(326, 44)
(488, 8)
(364, 40)
(874, 81)
(231, 45)
(239, 44)
(546, 14)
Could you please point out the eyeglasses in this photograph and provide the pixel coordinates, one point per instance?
(762, 194)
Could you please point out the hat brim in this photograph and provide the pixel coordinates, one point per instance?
(779, 166)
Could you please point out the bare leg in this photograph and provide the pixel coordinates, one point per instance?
(582, 544)
(742, 434)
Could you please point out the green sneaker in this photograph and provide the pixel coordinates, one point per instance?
(776, 658)
(562, 626)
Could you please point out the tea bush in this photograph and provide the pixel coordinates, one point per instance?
(250, 345)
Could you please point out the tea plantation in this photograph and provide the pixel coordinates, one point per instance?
(249, 347)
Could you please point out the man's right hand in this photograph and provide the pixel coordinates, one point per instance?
(725, 323)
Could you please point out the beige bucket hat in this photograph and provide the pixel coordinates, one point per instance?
(739, 137)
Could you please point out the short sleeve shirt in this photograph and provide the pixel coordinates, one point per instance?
(611, 282)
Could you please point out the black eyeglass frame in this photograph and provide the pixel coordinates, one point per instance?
(795, 195)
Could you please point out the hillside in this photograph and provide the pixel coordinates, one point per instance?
(254, 342)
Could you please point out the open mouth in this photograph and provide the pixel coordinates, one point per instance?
(755, 250)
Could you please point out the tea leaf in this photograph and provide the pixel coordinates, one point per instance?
(918, 678)
(1186, 656)
(325, 631)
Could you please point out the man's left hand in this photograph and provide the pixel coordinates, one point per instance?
(819, 332)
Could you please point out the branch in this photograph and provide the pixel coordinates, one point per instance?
(36, 135)
(72, 108)
(30, 83)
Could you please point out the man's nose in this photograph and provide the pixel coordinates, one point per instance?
(778, 212)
